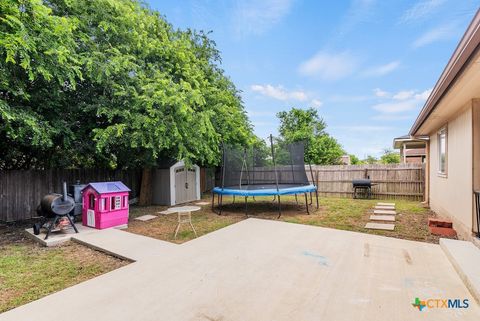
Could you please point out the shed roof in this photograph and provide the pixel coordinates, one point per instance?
(108, 187)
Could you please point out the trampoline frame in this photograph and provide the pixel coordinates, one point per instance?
(276, 193)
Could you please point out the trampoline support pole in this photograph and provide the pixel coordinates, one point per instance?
(213, 202)
(279, 207)
(220, 204)
(296, 198)
(246, 206)
(306, 203)
(233, 199)
(311, 199)
(316, 196)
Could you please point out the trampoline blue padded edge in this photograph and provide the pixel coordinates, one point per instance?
(265, 192)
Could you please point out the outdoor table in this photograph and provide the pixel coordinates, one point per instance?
(184, 216)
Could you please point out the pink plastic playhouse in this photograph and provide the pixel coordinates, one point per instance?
(105, 204)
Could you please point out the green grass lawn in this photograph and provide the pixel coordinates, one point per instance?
(29, 271)
(339, 213)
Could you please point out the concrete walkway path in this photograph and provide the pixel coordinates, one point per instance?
(267, 270)
(125, 245)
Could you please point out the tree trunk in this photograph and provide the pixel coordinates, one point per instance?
(145, 198)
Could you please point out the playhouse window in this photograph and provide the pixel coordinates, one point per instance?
(103, 204)
(116, 202)
(91, 202)
(125, 201)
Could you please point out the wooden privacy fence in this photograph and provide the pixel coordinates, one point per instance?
(22, 190)
(395, 181)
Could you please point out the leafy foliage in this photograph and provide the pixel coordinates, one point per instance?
(306, 125)
(390, 157)
(354, 160)
(110, 83)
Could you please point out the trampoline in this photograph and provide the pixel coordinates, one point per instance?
(275, 171)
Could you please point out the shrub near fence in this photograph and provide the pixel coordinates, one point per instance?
(395, 181)
(22, 190)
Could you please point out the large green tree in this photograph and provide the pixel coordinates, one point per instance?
(307, 126)
(110, 83)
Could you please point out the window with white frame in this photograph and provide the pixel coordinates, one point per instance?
(118, 202)
(442, 151)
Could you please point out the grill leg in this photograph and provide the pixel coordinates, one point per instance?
(279, 207)
(51, 226)
(71, 223)
(306, 203)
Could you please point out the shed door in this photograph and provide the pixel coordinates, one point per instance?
(185, 185)
(180, 191)
(191, 184)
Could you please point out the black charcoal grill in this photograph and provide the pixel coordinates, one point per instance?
(362, 185)
(55, 210)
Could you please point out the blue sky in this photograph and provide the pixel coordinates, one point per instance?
(367, 66)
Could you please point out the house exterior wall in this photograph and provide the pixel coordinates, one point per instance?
(451, 194)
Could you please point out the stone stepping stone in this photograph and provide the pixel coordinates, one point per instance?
(380, 226)
(145, 218)
(384, 212)
(392, 208)
(386, 204)
(389, 218)
(202, 203)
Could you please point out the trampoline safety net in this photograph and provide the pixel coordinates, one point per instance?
(253, 168)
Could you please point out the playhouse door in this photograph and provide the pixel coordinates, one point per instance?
(180, 190)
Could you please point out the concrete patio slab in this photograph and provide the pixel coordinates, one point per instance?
(267, 270)
(125, 245)
(384, 212)
(388, 218)
(380, 226)
(57, 238)
(145, 218)
(465, 258)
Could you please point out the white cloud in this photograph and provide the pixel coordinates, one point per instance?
(382, 69)
(404, 94)
(420, 10)
(403, 101)
(329, 66)
(437, 34)
(316, 103)
(396, 107)
(424, 94)
(381, 93)
(279, 92)
(257, 17)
